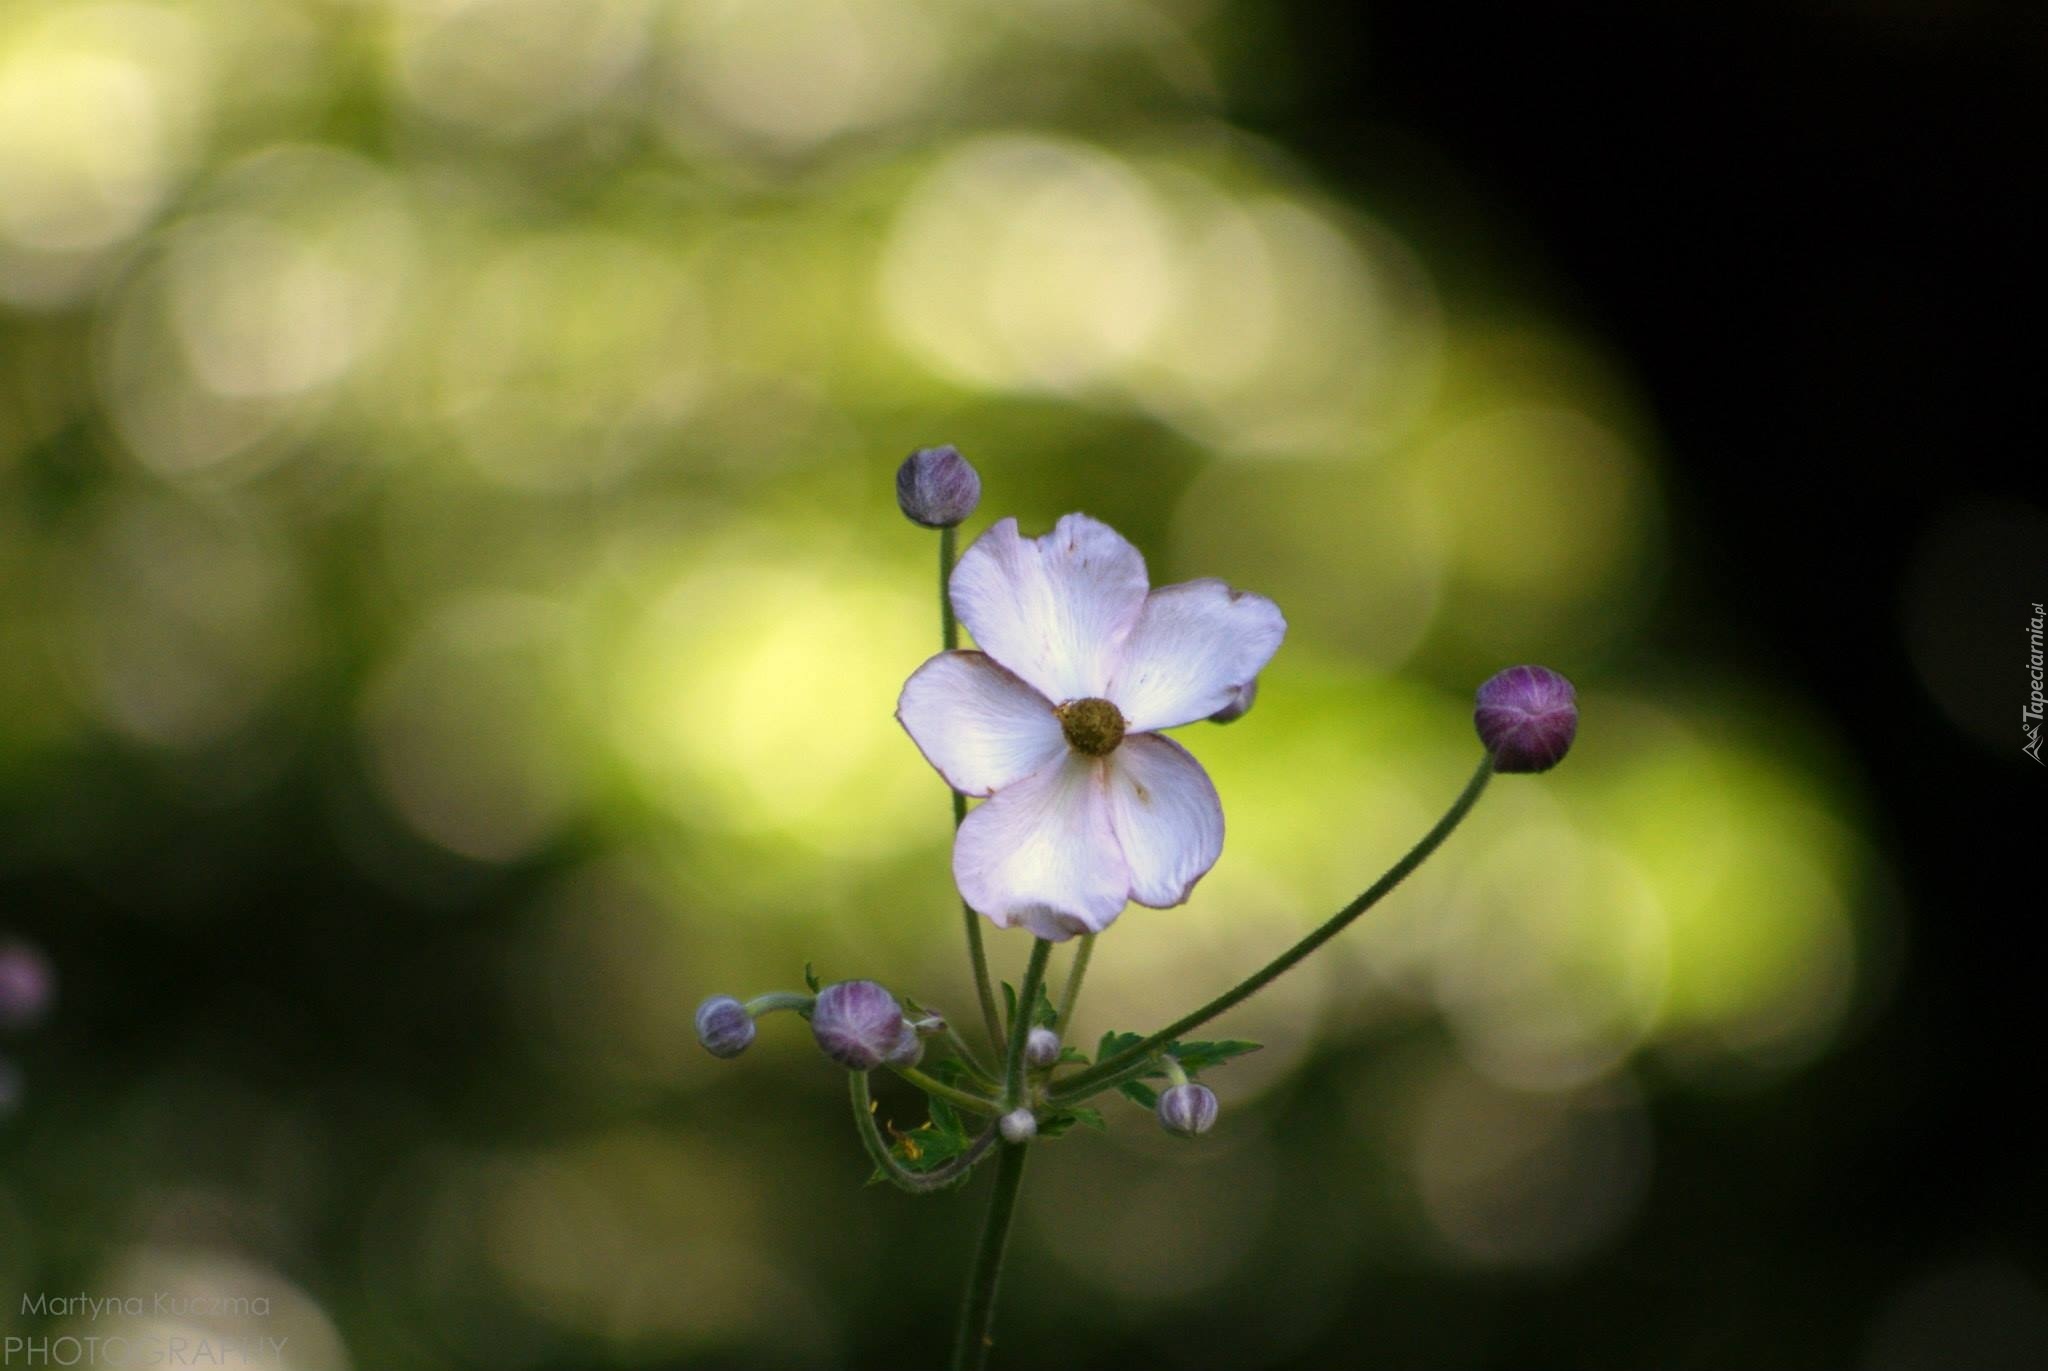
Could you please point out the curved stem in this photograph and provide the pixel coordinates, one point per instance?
(1072, 992)
(978, 1311)
(1020, 1023)
(1096, 1077)
(938, 1089)
(916, 1182)
(778, 999)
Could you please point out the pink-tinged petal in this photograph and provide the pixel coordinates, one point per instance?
(1055, 609)
(1042, 854)
(1195, 648)
(979, 726)
(1166, 816)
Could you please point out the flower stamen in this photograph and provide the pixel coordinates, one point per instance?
(1093, 725)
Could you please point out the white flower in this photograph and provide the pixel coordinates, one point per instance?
(1056, 720)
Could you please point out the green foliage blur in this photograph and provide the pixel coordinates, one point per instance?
(452, 606)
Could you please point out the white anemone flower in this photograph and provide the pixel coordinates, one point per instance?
(1056, 722)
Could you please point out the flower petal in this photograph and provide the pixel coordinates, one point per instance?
(1166, 816)
(1196, 646)
(1055, 609)
(1042, 854)
(979, 726)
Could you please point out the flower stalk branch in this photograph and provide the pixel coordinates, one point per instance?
(1097, 1077)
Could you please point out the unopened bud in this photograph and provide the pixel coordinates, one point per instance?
(1017, 1126)
(1241, 698)
(1188, 1110)
(1527, 717)
(936, 487)
(1041, 1047)
(27, 986)
(859, 1024)
(724, 1026)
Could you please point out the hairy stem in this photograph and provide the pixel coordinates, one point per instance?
(1020, 1023)
(1072, 992)
(937, 1089)
(978, 1310)
(1096, 1077)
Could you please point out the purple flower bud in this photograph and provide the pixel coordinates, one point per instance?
(1240, 703)
(1187, 1110)
(858, 1024)
(936, 487)
(1041, 1047)
(27, 986)
(1018, 1126)
(724, 1026)
(1527, 717)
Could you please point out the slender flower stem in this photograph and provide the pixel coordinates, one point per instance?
(949, 635)
(778, 999)
(968, 1056)
(949, 629)
(916, 1182)
(937, 1089)
(1072, 992)
(1096, 1077)
(1020, 1023)
(977, 1314)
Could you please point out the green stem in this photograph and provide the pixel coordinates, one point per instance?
(937, 1089)
(778, 999)
(916, 1182)
(949, 628)
(1072, 992)
(977, 954)
(968, 1057)
(1096, 1077)
(978, 1310)
(1020, 1023)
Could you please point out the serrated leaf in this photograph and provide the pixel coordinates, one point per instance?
(1194, 1057)
(928, 1146)
(1070, 1056)
(1060, 1121)
(1113, 1043)
(1139, 1093)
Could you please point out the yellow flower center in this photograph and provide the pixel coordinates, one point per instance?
(1093, 726)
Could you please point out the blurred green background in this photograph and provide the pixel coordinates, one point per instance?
(452, 604)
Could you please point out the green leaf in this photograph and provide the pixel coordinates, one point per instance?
(1139, 1093)
(1072, 1057)
(1062, 1120)
(1113, 1043)
(928, 1146)
(1194, 1057)
(811, 978)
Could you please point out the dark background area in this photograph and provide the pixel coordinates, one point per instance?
(1813, 229)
